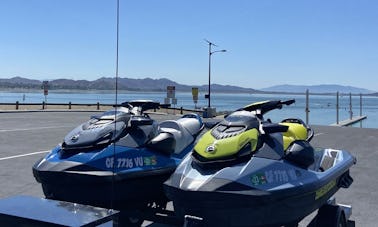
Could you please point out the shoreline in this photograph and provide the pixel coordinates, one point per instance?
(122, 91)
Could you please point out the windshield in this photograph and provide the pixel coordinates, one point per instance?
(240, 116)
(113, 112)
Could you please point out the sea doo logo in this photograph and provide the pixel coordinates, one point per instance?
(75, 138)
(210, 149)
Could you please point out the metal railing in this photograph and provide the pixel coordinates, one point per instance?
(345, 122)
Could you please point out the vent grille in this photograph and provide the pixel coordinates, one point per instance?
(223, 131)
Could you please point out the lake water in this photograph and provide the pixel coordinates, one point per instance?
(322, 107)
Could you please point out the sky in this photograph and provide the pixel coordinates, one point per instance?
(268, 42)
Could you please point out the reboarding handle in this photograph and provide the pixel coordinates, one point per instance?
(266, 106)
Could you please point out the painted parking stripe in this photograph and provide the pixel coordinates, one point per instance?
(27, 129)
(23, 155)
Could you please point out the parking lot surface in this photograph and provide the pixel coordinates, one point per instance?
(25, 137)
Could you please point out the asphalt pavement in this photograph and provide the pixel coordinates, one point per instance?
(25, 137)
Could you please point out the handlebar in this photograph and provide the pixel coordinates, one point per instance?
(288, 102)
(142, 104)
(267, 106)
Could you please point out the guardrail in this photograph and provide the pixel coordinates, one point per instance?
(92, 106)
(98, 106)
(44, 105)
(347, 122)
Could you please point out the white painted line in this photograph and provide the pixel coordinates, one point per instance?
(27, 129)
(23, 155)
(318, 134)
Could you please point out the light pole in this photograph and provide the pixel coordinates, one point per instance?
(210, 53)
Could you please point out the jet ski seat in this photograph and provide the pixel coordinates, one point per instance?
(164, 142)
(175, 135)
(192, 125)
(181, 131)
(301, 153)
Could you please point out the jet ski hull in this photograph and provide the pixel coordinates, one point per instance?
(246, 208)
(134, 177)
(120, 191)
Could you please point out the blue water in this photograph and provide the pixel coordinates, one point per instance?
(322, 108)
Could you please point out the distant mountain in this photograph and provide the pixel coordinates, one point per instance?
(19, 82)
(148, 84)
(324, 88)
(106, 83)
(226, 89)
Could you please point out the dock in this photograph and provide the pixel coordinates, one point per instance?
(351, 121)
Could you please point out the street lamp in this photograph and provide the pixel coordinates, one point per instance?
(210, 53)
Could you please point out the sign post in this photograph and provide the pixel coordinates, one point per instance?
(195, 96)
(171, 95)
(45, 87)
(171, 92)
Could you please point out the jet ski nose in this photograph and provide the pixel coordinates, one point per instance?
(75, 138)
(211, 148)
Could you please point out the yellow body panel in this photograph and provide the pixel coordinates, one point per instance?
(295, 132)
(211, 148)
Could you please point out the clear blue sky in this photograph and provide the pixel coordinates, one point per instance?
(268, 42)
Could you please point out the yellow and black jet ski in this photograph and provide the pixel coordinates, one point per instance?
(247, 171)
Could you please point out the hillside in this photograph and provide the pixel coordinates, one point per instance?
(323, 88)
(105, 83)
(148, 84)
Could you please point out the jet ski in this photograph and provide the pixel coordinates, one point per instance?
(119, 159)
(248, 171)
